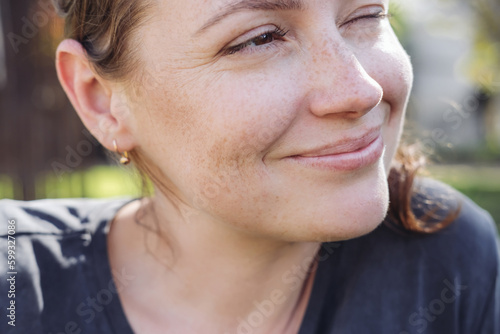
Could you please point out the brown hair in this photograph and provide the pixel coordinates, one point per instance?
(105, 29)
(437, 213)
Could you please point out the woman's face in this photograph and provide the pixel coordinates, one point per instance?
(274, 117)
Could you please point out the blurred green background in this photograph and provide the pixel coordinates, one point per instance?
(454, 111)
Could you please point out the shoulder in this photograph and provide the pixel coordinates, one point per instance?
(51, 232)
(55, 216)
(53, 251)
(467, 252)
(470, 241)
(473, 228)
(449, 273)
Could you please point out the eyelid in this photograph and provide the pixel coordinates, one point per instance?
(251, 34)
(233, 48)
(375, 11)
(372, 10)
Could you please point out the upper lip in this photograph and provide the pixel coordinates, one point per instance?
(344, 145)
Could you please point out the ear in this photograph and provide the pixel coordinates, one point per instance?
(93, 97)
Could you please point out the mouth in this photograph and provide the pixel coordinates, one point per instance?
(345, 155)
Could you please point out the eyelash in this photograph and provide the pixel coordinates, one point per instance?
(379, 16)
(276, 33)
(279, 33)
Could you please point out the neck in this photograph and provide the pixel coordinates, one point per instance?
(215, 276)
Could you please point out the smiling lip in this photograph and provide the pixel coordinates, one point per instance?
(346, 155)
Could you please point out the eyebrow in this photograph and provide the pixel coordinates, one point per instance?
(252, 5)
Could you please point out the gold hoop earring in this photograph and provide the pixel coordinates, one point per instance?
(124, 160)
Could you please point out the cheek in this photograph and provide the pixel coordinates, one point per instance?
(248, 117)
(210, 137)
(391, 68)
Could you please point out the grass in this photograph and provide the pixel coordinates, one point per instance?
(95, 182)
(480, 183)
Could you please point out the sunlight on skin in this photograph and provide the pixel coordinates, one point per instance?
(275, 129)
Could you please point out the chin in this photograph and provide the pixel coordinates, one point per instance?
(350, 210)
(362, 220)
(310, 209)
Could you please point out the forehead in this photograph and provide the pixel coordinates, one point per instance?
(194, 23)
(215, 10)
(186, 15)
(202, 8)
(210, 7)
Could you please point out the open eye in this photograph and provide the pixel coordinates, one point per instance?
(267, 37)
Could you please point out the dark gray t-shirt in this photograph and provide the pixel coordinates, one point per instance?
(388, 282)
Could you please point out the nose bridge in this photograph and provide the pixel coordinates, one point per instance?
(338, 81)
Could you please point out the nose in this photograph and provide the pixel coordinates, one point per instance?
(338, 84)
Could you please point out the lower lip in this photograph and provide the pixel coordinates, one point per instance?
(349, 161)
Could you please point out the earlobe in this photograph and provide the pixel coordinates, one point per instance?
(87, 91)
